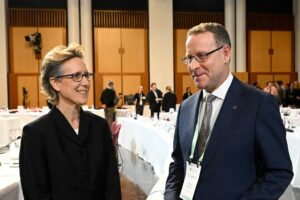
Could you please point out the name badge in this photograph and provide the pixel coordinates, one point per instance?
(190, 181)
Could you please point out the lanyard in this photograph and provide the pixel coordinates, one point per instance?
(195, 138)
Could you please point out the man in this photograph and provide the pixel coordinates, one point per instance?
(154, 98)
(169, 100)
(139, 101)
(245, 154)
(109, 100)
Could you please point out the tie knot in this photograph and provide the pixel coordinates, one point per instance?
(210, 98)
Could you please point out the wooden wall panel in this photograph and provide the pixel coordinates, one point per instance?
(262, 79)
(187, 81)
(180, 37)
(120, 19)
(22, 56)
(121, 54)
(31, 85)
(285, 78)
(135, 48)
(260, 60)
(51, 37)
(23, 61)
(58, 37)
(42, 97)
(107, 47)
(282, 45)
(242, 76)
(131, 84)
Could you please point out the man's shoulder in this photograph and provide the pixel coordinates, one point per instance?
(193, 99)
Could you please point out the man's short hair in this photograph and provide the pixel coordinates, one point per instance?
(153, 84)
(109, 82)
(221, 35)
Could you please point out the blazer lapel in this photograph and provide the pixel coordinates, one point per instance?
(84, 126)
(225, 120)
(64, 126)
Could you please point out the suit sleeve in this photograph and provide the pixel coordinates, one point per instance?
(274, 168)
(176, 169)
(33, 166)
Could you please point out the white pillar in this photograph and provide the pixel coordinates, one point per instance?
(230, 26)
(161, 43)
(3, 54)
(241, 36)
(86, 32)
(296, 9)
(73, 21)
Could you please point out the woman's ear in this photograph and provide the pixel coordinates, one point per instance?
(54, 83)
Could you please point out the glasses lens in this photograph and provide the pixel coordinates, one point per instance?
(87, 75)
(77, 76)
(185, 60)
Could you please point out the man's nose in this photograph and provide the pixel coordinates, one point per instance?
(193, 65)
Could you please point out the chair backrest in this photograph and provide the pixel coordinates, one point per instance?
(115, 129)
(129, 99)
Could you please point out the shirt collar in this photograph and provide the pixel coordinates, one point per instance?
(221, 91)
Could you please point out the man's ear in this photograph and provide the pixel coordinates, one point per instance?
(55, 83)
(227, 53)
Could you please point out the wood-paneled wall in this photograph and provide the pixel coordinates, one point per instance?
(121, 55)
(24, 67)
(120, 51)
(271, 56)
(120, 19)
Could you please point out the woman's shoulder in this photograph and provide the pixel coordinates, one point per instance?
(93, 116)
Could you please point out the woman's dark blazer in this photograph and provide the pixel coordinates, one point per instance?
(56, 163)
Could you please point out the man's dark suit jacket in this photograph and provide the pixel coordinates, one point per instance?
(169, 101)
(247, 155)
(56, 163)
(153, 105)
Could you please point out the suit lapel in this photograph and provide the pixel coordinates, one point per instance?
(84, 126)
(226, 118)
(65, 127)
(191, 118)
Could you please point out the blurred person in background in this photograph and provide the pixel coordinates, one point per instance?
(187, 93)
(154, 98)
(169, 100)
(109, 100)
(139, 101)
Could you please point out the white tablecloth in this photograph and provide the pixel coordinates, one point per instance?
(152, 144)
(293, 140)
(10, 128)
(10, 188)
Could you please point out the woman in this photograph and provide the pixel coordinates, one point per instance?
(187, 93)
(68, 153)
(169, 100)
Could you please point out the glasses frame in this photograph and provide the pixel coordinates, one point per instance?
(76, 77)
(188, 60)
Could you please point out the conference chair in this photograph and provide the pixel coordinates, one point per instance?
(115, 130)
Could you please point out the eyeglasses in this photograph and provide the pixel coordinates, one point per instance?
(77, 77)
(187, 60)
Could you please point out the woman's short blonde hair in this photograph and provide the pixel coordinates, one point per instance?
(52, 66)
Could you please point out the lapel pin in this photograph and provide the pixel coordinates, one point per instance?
(235, 107)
